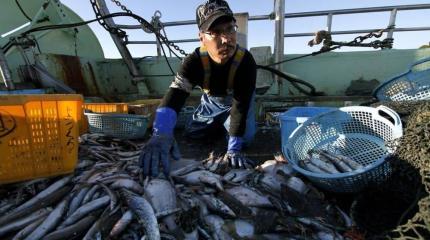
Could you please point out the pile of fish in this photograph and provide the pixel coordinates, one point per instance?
(325, 162)
(107, 197)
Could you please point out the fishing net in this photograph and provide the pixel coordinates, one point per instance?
(415, 149)
(400, 209)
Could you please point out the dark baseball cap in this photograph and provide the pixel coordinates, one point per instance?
(210, 12)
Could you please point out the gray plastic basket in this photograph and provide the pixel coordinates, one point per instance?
(123, 126)
(411, 85)
(361, 133)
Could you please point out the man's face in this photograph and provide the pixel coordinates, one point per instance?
(220, 41)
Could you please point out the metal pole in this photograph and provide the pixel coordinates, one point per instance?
(5, 72)
(392, 23)
(329, 22)
(279, 37)
(123, 50)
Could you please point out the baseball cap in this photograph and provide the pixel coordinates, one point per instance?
(209, 12)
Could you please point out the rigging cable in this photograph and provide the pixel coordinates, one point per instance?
(9, 44)
(22, 11)
(294, 81)
(303, 56)
(164, 53)
(146, 27)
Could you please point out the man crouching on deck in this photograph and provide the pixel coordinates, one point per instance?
(227, 74)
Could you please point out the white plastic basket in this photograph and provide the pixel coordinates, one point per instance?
(361, 133)
(411, 85)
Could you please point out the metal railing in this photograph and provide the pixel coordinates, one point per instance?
(280, 4)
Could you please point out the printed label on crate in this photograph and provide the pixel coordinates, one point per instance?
(7, 123)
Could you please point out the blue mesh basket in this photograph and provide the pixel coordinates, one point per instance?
(361, 133)
(411, 85)
(123, 126)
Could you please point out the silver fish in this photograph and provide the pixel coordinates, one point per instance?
(77, 200)
(237, 175)
(218, 206)
(28, 229)
(349, 161)
(85, 209)
(88, 197)
(308, 165)
(297, 184)
(51, 221)
(271, 183)
(276, 167)
(342, 166)
(190, 236)
(121, 224)
(249, 197)
(20, 223)
(184, 166)
(322, 163)
(101, 226)
(73, 230)
(327, 235)
(201, 176)
(215, 224)
(127, 184)
(144, 213)
(162, 196)
(42, 199)
(240, 228)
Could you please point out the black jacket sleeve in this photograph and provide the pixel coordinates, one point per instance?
(188, 76)
(244, 88)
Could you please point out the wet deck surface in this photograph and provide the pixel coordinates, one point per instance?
(266, 143)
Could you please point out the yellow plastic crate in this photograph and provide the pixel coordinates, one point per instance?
(106, 107)
(100, 108)
(38, 135)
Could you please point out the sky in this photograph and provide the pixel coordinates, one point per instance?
(260, 33)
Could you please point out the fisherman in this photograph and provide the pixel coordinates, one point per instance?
(226, 73)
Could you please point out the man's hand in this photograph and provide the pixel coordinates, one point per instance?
(224, 163)
(238, 160)
(162, 146)
(234, 156)
(158, 151)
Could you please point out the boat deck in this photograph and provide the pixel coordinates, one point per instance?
(267, 142)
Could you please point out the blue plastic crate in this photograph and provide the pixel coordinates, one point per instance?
(296, 116)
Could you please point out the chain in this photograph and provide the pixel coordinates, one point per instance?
(124, 8)
(147, 27)
(358, 41)
(329, 45)
(75, 37)
(386, 43)
(120, 33)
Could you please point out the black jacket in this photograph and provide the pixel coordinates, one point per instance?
(191, 75)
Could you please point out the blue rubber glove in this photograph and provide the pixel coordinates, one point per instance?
(234, 155)
(162, 145)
